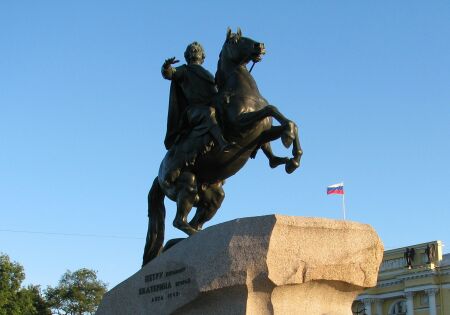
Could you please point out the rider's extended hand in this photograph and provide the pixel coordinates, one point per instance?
(170, 61)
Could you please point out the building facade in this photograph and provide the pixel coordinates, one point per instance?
(412, 280)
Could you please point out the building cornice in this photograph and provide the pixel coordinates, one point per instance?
(441, 271)
(408, 291)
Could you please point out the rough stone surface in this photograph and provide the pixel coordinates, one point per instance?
(271, 264)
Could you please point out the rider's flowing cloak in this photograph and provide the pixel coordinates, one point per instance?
(177, 107)
(178, 104)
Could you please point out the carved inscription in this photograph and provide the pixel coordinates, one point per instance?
(163, 285)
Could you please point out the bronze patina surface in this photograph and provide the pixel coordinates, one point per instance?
(215, 124)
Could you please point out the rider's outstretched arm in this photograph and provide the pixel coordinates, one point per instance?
(167, 70)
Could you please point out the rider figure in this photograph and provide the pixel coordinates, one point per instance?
(191, 98)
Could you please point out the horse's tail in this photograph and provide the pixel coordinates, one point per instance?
(156, 217)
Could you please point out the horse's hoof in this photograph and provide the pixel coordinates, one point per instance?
(186, 228)
(291, 166)
(195, 225)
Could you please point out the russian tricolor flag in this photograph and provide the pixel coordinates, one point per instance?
(337, 189)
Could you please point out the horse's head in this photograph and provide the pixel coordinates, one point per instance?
(237, 51)
(240, 50)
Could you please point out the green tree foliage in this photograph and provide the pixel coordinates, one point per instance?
(39, 302)
(14, 299)
(77, 293)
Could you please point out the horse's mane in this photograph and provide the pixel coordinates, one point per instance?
(219, 77)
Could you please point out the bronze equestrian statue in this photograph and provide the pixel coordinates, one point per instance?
(214, 126)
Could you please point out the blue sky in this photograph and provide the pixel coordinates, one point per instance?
(83, 113)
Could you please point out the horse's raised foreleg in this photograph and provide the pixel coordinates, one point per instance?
(186, 197)
(248, 119)
(289, 133)
(288, 137)
(275, 132)
(274, 160)
(297, 152)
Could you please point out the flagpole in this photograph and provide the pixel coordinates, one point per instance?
(343, 204)
(338, 189)
(343, 201)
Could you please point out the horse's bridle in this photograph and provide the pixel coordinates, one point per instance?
(251, 68)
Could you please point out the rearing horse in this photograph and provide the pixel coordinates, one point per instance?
(246, 119)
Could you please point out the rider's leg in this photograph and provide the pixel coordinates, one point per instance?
(216, 133)
(186, 197)
(206, 116)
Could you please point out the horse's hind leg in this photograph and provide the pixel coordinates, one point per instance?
(186, 197)
(211, 198)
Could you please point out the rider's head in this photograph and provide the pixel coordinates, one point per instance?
(194, 54)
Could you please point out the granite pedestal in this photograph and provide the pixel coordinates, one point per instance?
(272, 264)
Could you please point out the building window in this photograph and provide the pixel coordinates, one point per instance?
(398, 308)
(424, 300)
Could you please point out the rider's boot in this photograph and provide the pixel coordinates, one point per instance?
(224, 145)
